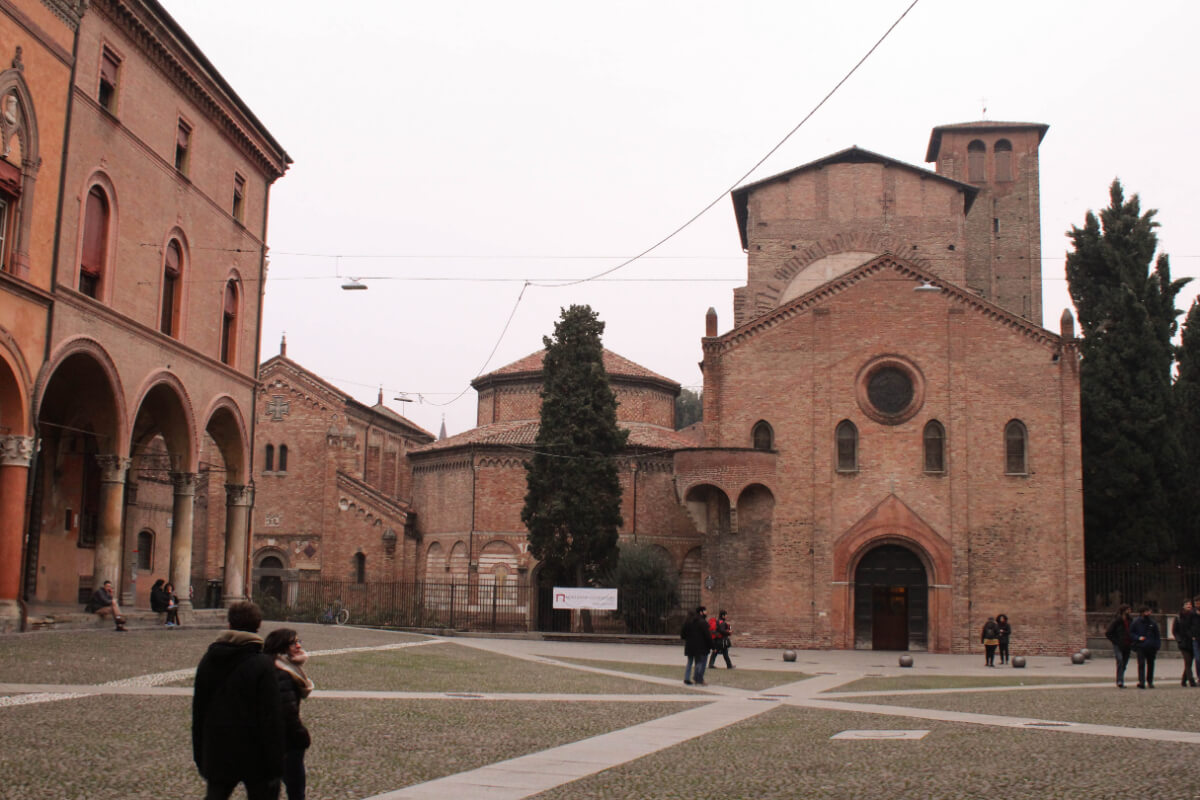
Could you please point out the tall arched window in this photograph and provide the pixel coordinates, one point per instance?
(1016, 448)
(976, 151)
(764, 437)
(283, 458)
(95, 243)
(360, 568)
(1003, 160)
(269, 460)
(935, 446)
(145, 551)
(847, 446)
(171, 289)
(229, 323)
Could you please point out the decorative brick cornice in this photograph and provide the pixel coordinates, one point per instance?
(810, 301)
(185, 66)
(69, 11)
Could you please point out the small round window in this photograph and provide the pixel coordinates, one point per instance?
(890, 390)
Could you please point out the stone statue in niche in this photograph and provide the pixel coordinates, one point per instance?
(10, 121)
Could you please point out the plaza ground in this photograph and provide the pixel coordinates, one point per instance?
(95, 714)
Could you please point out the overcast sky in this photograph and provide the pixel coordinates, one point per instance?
(490, 143)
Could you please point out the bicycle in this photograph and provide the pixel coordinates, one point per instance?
(334, 614)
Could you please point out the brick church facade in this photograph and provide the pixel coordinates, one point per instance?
(890, 446)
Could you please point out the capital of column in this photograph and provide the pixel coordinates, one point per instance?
(112, 468)
(239, 494)
(16, 451)
(184, 483)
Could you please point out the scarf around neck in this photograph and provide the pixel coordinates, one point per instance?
(304, 684)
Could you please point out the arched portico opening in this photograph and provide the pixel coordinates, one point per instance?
(891, 600)
(78, 493)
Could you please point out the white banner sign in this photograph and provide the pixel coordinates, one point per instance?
(596, 599)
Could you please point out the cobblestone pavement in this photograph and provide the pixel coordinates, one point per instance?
(401, 716)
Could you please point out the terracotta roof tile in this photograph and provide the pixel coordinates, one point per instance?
(615, 365)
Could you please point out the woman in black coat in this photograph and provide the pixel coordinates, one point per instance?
(284, 646)
(1005, 631)
(158, 598)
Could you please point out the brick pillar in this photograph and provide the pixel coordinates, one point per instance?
(181, 536)
(239, 498)
(107, 560)
(15, 455)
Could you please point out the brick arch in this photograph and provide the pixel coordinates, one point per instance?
(709, 508)
(165, 401)
(14, 387)
(225, 424)
(117, 428)
(870, 244)
(892, 522)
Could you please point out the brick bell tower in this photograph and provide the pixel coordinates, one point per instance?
(1003, 231)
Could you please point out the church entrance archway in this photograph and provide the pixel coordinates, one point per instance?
(891, 600)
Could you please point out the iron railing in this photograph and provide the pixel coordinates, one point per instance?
(1161, 588)
(509, 607)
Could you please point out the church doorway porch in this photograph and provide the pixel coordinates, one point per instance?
(891, 600)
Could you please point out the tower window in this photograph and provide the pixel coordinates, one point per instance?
(1016, 447)
(847, 446)
(269, 459)
(764, 437)
(1004, 161)
(935, 446)
(976, 151)
(283, 458)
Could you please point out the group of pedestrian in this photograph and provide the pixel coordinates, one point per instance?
(1142, 636)
(996, 633)
(703, 641)
(246, 725)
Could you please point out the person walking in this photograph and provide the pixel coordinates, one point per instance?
(720, 634)
(1183, 631)
(1004, 630)
(991, 640)
(1118, 633)
(237, 713)
(695, 646)
(1146, 641)
(285, 647)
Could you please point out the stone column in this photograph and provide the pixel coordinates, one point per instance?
(181, 536)
(16, 452)
(107, 560)
(239, 498)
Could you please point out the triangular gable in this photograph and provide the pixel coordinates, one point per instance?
(805, 303)
(851, 155)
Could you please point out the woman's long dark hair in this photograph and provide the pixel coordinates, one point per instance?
(279, 641)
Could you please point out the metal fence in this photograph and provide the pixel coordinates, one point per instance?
(1162, 588)
(510, 607)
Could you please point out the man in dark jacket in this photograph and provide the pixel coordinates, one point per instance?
(1118, 634)
(695, 646)
(1182, 631)
(1146, 641)
(237, 715)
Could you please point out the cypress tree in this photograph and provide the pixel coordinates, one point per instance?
(1187, 402)
(573, 501)
(1131, 447)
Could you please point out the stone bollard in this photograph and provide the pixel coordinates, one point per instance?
(1018, 662)
(1077, 658)
(906, 660)
(789, 655)
(1087, 654)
